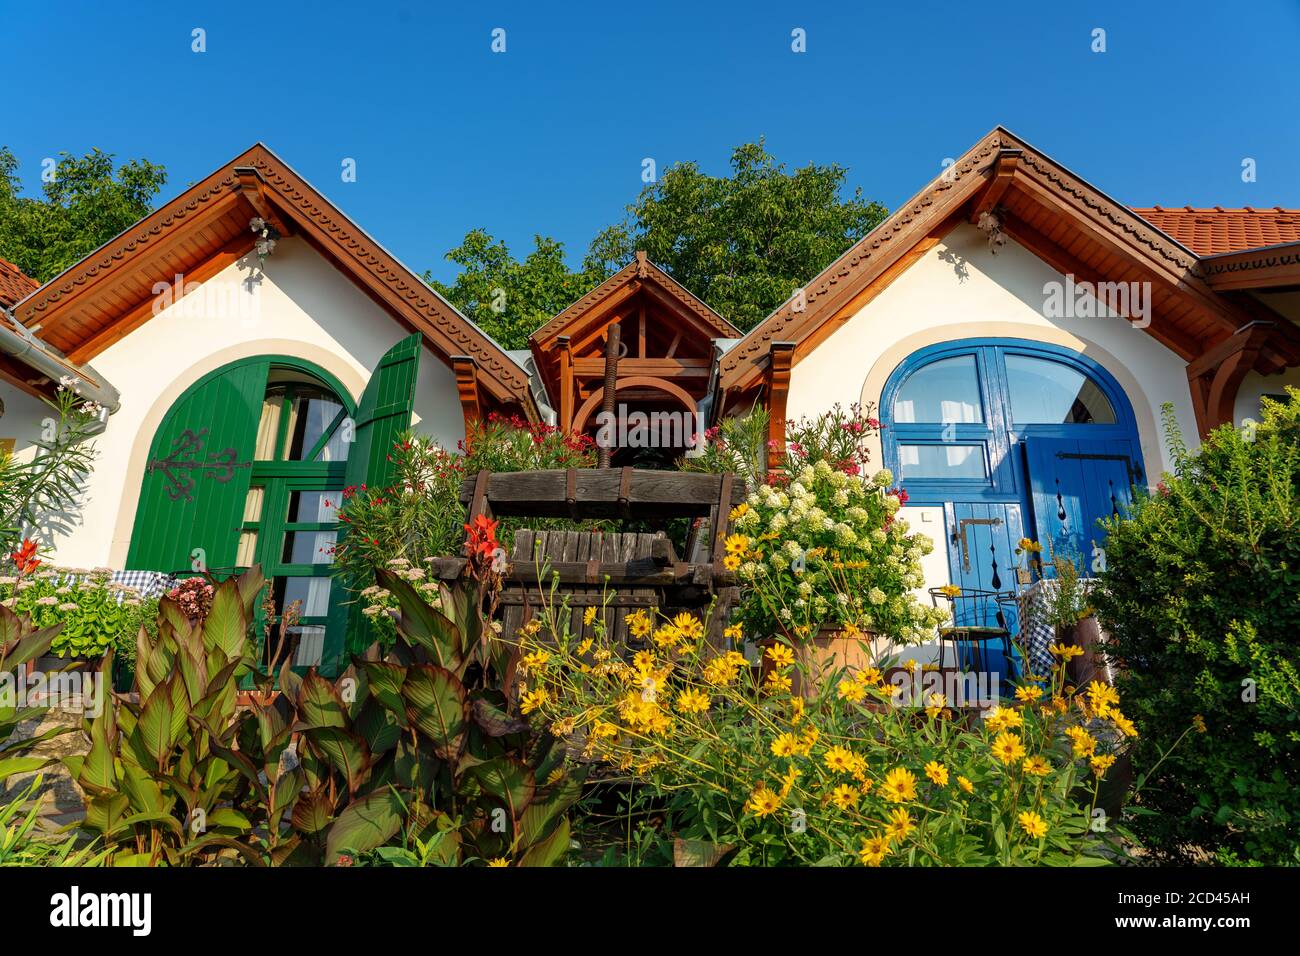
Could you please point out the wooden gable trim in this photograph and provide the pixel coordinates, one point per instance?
(977, 183)
(1271, 267)
(259, 182)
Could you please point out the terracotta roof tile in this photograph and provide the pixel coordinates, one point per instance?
(1209, 232)
(13, 284)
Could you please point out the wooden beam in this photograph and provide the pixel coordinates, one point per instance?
(466, 370)
(597, 491)
(566, 384)
(1177, 340)
(778, 390)
(144, 310)
(661, 367)
(253, 189)
(1215, 378)
(134, 264)
(1004, 171)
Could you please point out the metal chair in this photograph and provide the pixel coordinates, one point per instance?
(979, 617)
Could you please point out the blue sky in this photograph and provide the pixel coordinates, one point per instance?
(550, 135)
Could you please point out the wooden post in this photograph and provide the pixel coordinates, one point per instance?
(611, 381)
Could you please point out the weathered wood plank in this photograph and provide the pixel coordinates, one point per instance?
(651, 494)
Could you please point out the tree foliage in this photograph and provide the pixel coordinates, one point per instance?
(85, 203)
(509, 298)
(742, 242)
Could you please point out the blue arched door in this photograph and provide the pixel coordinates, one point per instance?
(1013, 439)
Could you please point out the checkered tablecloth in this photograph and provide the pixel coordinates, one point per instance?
(1037, 632)
(150, 584)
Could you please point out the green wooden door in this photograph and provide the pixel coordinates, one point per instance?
(383, 415)
(197, 476)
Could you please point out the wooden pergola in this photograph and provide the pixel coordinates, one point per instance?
(664, 346)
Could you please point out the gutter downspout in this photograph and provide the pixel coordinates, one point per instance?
(17, 340)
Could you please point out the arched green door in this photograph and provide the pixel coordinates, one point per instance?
(248, 467)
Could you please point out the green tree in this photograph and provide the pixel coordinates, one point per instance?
(508, 298)
(83, 205)
(743, 242)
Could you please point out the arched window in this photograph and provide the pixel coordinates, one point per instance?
(248, 467)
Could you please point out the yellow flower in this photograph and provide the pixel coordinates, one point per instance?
(935, 705)
(868, 676)
(1102, 697)
(762, 801)
(639, 624)
(499, 861)
(1036, 766)
(1033, 824)
(808, 739)
(844, 797)
(965, 784)
(899, 785)
(778, 683)
(786, 745)
(1028, 693)
(584, 647)
(951, 590)
(536, 660)
(796, 710)
(1101, 763)
(874, 849)
(838, 759)
(1085, 745)
(533, 699)
(643, 661)
(852, 691)
(1199, 723)
(1065, 651)
(667, 636)
(1129, 729)
(692, 701)
(780, 655)
(736, 544)
(792, 774)
(738, 511)
(688, 625)
(937, 772)
(1007, 748)
(900, 825)
(589, 615)
(1003, 718)
(734, 633)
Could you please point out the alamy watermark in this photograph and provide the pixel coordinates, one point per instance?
(638, 429)
(74, 690)
(1073, 299)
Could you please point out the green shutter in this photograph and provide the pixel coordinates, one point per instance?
(197, 474)
(383, 414)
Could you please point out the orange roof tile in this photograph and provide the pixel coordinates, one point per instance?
(1209, 232)
(13, 284)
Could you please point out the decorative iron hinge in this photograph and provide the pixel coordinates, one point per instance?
(187, 456)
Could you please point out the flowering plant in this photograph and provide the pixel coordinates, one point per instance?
(194, 596)
(95, 612)
(851, 776)
(828, 550)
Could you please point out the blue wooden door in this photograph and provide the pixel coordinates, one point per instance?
(1074, 484)
(982, 539)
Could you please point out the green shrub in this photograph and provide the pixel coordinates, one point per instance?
(96, 614)
(1201, 596)
(420, 515)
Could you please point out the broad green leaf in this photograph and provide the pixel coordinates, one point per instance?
(436, 705)
(365, 824)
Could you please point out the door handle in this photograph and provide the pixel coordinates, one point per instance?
(959, 536)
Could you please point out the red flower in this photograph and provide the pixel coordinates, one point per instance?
(25, 557)
(482, 540)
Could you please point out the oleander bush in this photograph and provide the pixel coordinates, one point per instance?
(1201, 596)
(749, 775)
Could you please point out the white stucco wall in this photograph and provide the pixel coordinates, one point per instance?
(959, 290)
(302, 306)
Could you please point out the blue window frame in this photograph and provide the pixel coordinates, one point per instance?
(957, 414)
